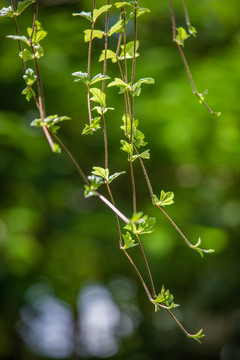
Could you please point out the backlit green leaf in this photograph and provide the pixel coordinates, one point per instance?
(80, 76)
(99, 77)
(86, 15)
(22, 5)
(95, 182)
(181, 36)
(95, 34)
(165, 198)
(104, 173)
(109, 55)
(165, 299)
(90, 129)
(20, 38)
(115, 175)
(128, 240)
(101, 10)
(29, 77)
(127, 147)
(38, 34)
(26, 55)
(118, 27)
(28, 93)
(197, 336)
(98, 96)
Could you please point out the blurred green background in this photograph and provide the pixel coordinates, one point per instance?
(66, 289)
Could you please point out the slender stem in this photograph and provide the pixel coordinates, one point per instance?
(75, 163)
(133, 188)
(178, 322)
(139, 275)
(103, 88)
(89, 67)
(186, 15)
(117, 220)
(105, 140)
(147, 266)
(113, 208)
(20, 49)
(199, 95)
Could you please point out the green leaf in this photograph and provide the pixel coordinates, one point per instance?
(181, 36)
(90, 129)
(128, 148)
(137, 86)
(192, 31)
(38, 51)
(101, 10)
(95, 34)
(142, 225)
(197, 336)
(121, 4)
(26, 55)
(98, 96)
(101, 110)
(38, 34)
(109, 55)
(138, 136)
(165, 299)
(165, 198)
(99, 77)
(199, 250)
(49, 121)
(22, 5)
(28, 93)
(86, 15)
(82, 77)
(56, 148)
(114, 176)
(144, 155)
(129, 50)
(98, 171)
(7, 12)
(118, 27)
(120, 84)
(30, 77)
(19, 38)
(128, 240)
(95, 182)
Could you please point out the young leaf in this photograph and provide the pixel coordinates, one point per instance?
(128, 148)
(98, 96)
(38, 34)
(128, 240)
(101, 10)
(49, 121)
(192, 31)
(90, 129)
(95, 34)
(181, 36)
(22, 5)
(104, 173)
(20, 38)
(120, 84)
(7, 12)
(199, 250)
(38, 51)
(109, 55)
(28, 93)
(86, 15)
(114, 176)
(165, 299)
(56, 148)
(121, 4)
(82, 77)
(137, 86)
(99, 77)
(29, 77)
(144, 155)
(95, 182)
(197, 336)
(165, 198)
(118, 27)
(26, 55)
(102, 110)
(138, 136)
(129, 50)
(142, 225)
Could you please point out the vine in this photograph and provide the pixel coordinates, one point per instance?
(134, 139)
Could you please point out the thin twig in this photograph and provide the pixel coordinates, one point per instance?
(89, 68)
